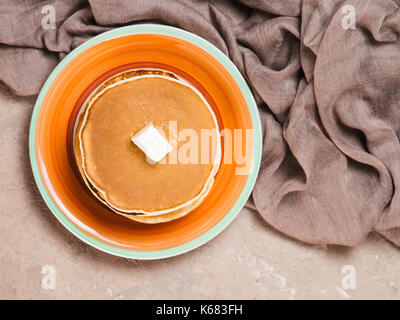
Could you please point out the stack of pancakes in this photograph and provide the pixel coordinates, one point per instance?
(116, 171)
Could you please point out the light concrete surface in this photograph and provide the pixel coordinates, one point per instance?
(249, 260)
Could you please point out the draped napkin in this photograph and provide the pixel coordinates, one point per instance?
(326, 77)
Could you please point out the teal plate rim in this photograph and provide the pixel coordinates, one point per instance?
(255, 165)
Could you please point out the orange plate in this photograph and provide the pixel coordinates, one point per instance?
(63, 100)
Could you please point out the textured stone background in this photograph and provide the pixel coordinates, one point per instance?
(249, 260)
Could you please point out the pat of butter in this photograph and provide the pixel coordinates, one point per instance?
(152, 143)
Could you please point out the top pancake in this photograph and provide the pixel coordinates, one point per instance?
(117, 168)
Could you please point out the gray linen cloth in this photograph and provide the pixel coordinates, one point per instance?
(328, 93)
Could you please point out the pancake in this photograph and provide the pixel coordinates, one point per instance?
(116, 171)
(148, 219)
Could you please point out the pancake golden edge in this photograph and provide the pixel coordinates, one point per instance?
(149, 218)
